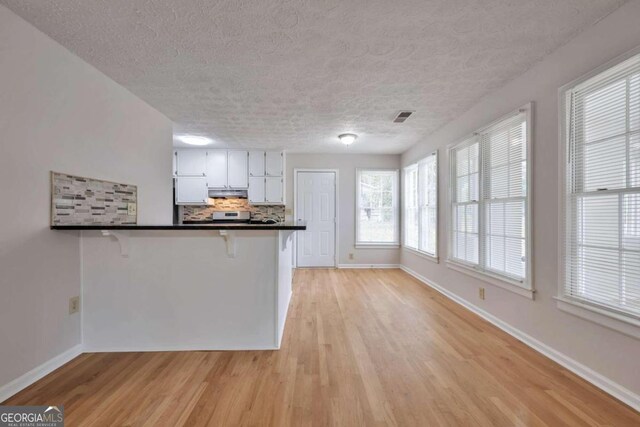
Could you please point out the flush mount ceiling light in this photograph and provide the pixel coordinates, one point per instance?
(194, 139)
(347, 138)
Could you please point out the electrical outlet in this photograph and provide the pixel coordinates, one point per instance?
(481, 293)
(74, 305)
(351, 255)
(131, 209)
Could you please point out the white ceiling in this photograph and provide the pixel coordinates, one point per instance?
(294, 74)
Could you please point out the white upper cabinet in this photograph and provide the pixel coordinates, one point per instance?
(191, 162)
(256, 163)
(191, 190)
(266, 177)
(229, 169)
(266, 163)
(274, 163)
(217, 168)
(274, 190)
(256, 189)
(237, 169)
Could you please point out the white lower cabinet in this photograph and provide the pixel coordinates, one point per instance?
(191, 190)
(273, 190)
(256, 190)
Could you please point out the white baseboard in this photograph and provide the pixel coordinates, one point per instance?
(167, 348)
(368, 265)
(24, 381)
(605, 384)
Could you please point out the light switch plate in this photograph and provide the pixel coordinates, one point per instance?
(131, 209)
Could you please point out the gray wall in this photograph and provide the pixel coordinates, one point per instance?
(59, 113)
(346, 165)
(609, 353)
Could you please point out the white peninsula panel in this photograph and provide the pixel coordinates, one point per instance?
(179, 290)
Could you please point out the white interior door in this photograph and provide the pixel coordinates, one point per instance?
(316, 204)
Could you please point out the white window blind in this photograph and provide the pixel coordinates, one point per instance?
(489, 209)
(465, 181)
(377, 221)
(421, 205)
(411, 207)
(602, 211)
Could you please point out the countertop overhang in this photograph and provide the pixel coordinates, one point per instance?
(286, 225)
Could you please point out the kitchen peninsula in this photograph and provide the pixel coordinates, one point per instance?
(185, 286)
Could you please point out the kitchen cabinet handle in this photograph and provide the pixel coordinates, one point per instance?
(175, 154)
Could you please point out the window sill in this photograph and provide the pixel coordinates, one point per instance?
(422, 254)
(615, 321)
(492, 279)
(377, 245)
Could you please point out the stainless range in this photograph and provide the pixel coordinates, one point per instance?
(231, 216)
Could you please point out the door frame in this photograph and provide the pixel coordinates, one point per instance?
(337, 211)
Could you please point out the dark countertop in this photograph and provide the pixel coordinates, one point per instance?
(286, 225)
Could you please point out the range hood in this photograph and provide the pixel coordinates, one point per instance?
(227, 194)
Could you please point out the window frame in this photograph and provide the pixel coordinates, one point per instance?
(525, 287)
(416, 166)
(395, 197)
(615, 319)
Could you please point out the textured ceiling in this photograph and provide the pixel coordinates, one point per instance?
(295, 74)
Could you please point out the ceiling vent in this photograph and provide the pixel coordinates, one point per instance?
(402, 116)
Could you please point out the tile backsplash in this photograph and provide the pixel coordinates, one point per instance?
(76, 200)
(201, 213)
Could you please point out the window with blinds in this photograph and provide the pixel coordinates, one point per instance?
(411, 222)
(421, 205)
(489, 200)
(602, 211)
(377, 219)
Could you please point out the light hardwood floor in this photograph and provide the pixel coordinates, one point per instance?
(361, 347)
